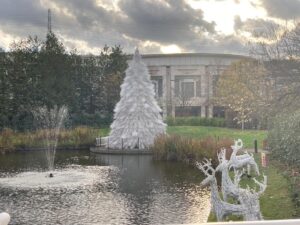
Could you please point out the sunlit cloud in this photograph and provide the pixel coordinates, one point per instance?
(223, 12)
(170, 49)
(6, 39)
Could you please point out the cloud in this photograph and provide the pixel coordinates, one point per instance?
(255, 27)
(22, 12)
(218, 44)
(90, 24)
(284, 9)
(169, 23)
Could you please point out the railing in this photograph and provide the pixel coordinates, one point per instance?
(104, 142)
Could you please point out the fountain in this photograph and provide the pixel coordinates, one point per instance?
(50, 121)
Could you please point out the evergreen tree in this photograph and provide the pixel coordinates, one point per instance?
(137, 119)
(111, 66)
(4, 91)
(57, 83)
(22, 76)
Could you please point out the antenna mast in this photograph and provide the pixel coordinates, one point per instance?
(49, 21)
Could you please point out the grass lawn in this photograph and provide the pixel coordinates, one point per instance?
(276, 202)
(247, 136)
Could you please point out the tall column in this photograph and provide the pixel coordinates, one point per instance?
(164, 93)
(169, 95)
(210, 111)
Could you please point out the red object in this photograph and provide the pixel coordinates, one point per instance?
(264, 159)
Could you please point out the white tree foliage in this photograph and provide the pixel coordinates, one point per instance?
(245, 200)
(137, 119)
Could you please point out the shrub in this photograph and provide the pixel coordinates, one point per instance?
(179, 148)
(79, 136)
(91, 120)
(195, 121)
(284, 138)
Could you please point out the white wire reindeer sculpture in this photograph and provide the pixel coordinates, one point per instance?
(228, 188)
(221, 208)
(246, 200)
(240, 162)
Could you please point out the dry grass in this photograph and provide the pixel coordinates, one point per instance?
(79, 136)
(179, 148)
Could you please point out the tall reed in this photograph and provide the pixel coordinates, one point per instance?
(179, 148)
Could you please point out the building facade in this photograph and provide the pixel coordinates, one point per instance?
(185, 83)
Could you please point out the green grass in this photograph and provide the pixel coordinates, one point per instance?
(103, 132)
(248, 136)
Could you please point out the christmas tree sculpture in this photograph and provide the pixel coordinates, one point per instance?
(137, 119)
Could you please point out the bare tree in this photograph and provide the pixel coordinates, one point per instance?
(279, 49)
(244, 89)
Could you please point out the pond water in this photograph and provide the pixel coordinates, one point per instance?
(100, 189)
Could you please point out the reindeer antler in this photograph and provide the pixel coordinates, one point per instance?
(205, 167)
(262, 185)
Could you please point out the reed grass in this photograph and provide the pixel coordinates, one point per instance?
(189, 150)
(77, 137)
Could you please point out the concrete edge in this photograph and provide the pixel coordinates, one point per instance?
(103, 150)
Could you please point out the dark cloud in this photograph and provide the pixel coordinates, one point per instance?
(167, 22)
(172, 23)
(284, 9)
(93, 25)
(219, 44)
(256, 27)
(29, 12)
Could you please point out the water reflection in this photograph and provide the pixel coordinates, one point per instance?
(124, 190)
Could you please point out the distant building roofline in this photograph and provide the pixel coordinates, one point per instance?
(195, 54)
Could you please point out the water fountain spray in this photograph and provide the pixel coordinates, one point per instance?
(50, 121)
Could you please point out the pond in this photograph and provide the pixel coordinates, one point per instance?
(100, 189)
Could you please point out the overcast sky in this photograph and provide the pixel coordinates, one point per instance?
(155, 26)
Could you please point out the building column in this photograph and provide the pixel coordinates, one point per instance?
(169, 94)
(164, 95)
(202, 111)
(210, 111)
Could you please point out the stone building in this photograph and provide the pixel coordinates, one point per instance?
(185, 83)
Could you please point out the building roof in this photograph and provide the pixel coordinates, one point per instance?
(193, 55)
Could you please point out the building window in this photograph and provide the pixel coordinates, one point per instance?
(158, 83)
(188, 87)
(198, 87)
(187, 111)
(219, 111)
(215, 79)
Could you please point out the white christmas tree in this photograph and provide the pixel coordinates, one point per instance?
(137, 119)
